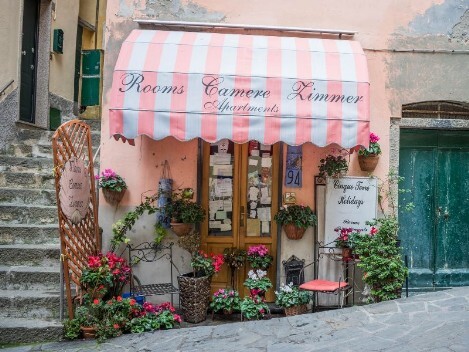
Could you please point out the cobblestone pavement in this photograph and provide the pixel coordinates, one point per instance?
(437, 321)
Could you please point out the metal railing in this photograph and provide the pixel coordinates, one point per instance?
(2, 91)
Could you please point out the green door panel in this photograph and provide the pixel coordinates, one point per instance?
(91, 77)
(417, 227)
(452, 241)
(435, 236)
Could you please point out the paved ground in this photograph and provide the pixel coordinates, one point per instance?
(437, 321)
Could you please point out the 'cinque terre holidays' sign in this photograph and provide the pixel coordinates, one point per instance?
(74, 192)
(350, 203)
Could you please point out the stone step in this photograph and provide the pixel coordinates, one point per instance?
(29, 165)
(10, 179)
(14, 331)
(29, 278)
(29, 304)
(29, 254)
(41, 137)
(24, 150)
(27, 196)
(23, 214)
(29, 234)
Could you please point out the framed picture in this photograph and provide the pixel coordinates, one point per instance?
(289, 198)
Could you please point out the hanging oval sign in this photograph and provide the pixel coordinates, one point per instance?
(74, 194)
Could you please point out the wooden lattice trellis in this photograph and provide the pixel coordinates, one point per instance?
(78, 241)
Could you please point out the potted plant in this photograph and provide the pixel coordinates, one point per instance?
(194, 287)
(334, 165)
(254, 308)
(368, 158)
(234, 259)
(225, 301)
(259, 257)
(381, 260)
(295, 219)
(184, 213)
(113, 186)
(292, 299)
(257, 282)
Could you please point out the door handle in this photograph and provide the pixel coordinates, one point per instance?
(23, 52)
(446, 214)
(241, 216)
(438, 211)
(32, 67)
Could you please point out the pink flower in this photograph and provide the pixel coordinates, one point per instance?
(177, 318)
(373, 231)
(96, 301)
(374, 138)
(119, 299)
(116, 326)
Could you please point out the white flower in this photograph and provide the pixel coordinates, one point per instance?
(261, 273)
(252, 275)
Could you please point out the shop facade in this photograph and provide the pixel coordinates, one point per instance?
(222, 104)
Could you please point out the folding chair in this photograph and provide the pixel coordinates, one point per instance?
(339, 287)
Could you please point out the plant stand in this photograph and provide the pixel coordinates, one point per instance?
(113, 197)
(293, 232)
(194, 294)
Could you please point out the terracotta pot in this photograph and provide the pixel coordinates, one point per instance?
(194, 293)
(296, 310)
(89, 332)
(293, 232)
(181, 229)
(113, 197)
(346, 253)
(368, 163)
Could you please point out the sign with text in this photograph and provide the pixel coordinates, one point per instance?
(74, 192)
(350, 202)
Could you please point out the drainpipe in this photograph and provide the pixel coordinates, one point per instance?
(96, 25)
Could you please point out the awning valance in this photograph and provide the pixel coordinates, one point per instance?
(240, 87)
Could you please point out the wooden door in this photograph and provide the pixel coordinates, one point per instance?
(29, 60)
(239, 192)
(435, 236)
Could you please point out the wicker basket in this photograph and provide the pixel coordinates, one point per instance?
(296, 310)
(194, 293)
(181, 229)
(113, 197)
(293, 232)
(368, 163)
(88, 332)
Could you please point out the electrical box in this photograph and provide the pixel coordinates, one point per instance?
(58, 44)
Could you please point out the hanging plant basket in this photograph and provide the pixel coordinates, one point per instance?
(113, 197)
(294, 232)
(181, 229)
(194, 293)
(296, 310)
(347, 253)
(368, 163)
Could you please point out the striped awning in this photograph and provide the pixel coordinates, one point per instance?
(240, 87)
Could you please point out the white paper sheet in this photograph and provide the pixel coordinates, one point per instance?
(228, 204)
(266, 162)
(223, 187)
(265, 227)
(252, 214)
(253, 193)
(263, 214)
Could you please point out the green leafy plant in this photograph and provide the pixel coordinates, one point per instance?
(254, 308)
(234, 257)
(290, 296)
(153, 317)
(299, 215)
(259, 257)
(110, 180)
(333, 165)
(183, 210)
(225, 301)
(374, 148)
(204, 265)
(258, 280)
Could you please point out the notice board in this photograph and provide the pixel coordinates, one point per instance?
(350, 202)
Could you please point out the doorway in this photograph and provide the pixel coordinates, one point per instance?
(240, 193)
(435, 235)
(29, 61)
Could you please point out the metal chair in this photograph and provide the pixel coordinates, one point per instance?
(320, 284)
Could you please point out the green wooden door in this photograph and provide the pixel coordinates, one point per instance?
(91, 75)
(435, 236)
(29, 60)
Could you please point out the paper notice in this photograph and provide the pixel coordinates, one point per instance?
(227, 221)
(253, 228)
(265, 147)
(220, 159)
(228, 204)
(263, 214)
(223, 170)
(265, 227)
(252, 214)
(266, 162)
(255, 152)
(253, 161)
(214, 224)
(223, 187)
(253, 205)
(253, 193)
(216, 205)
(225, 227)
(221, 215)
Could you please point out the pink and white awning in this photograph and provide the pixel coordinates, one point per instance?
(240, 87)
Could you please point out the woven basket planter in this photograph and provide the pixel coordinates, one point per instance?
(368, 163)
(181, 229)
(293, 232)
(296, 310)
(113, 197)
(89, 332)
(194, 293)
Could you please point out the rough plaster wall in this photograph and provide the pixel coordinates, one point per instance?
(8, 117)
(10, 28)
(65, 106)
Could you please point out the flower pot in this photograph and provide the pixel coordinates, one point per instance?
(113, 197)
(181, 229)
(296, 310)
(194, 294)
(293, 232)
(368, 163)
(89, 332)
